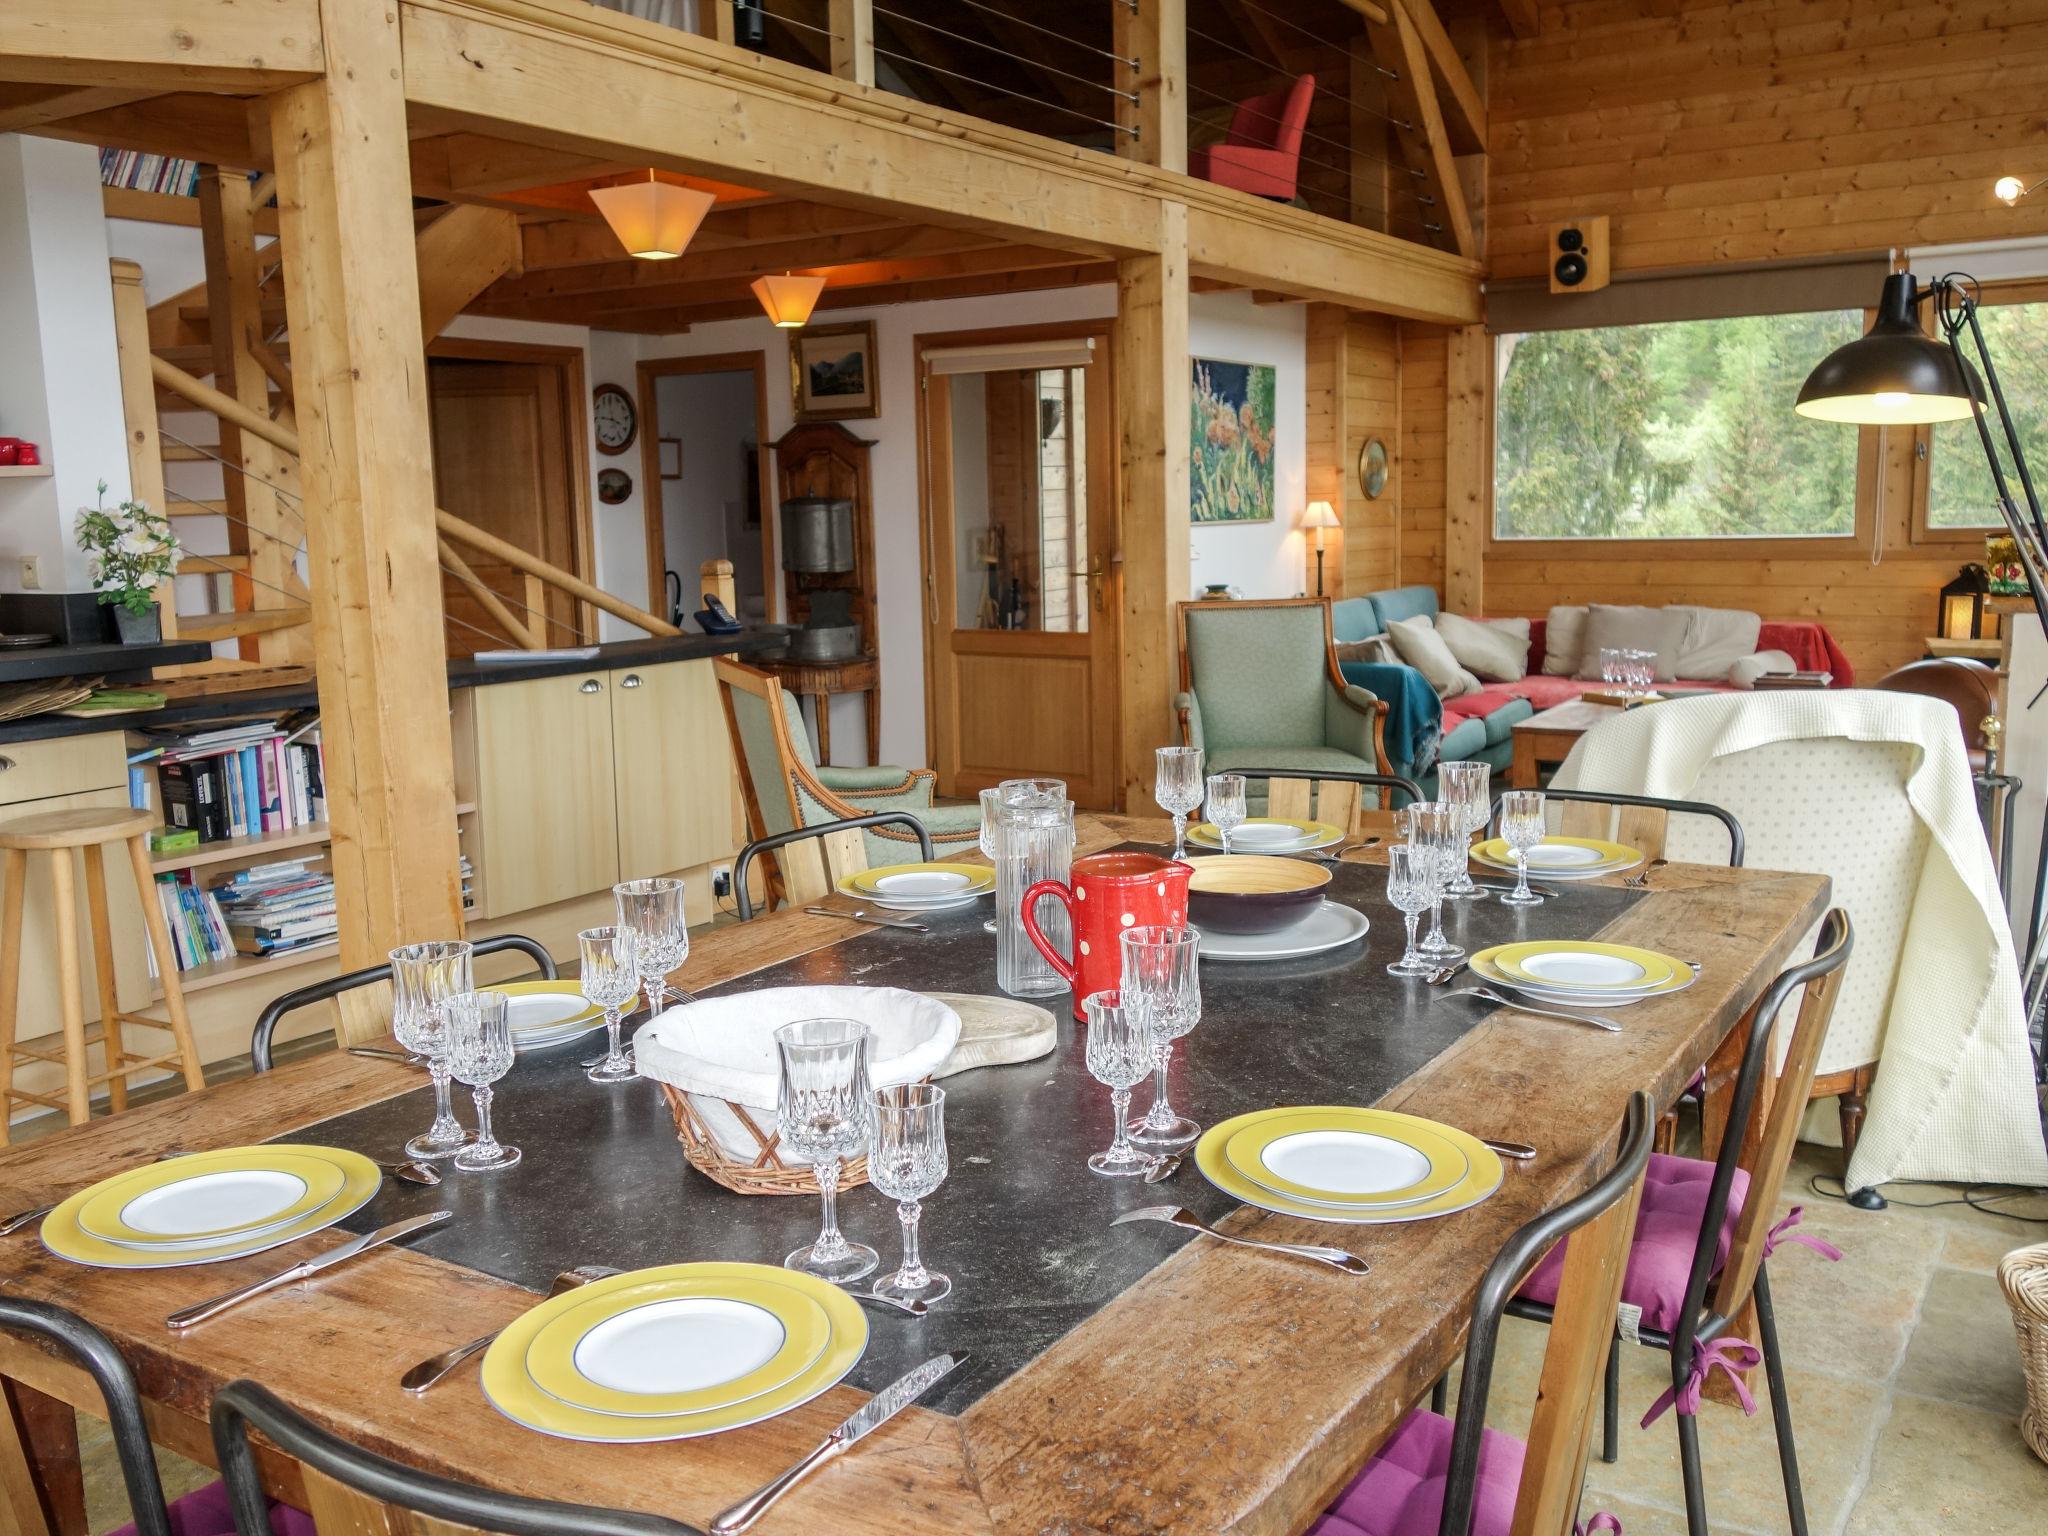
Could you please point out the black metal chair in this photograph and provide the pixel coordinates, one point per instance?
(1563, 1410)
(93, 1350)
(242, 1404)
(1741, 1277)
(369, 975)
(1386, 781)
(775, 840)
(1648, 803)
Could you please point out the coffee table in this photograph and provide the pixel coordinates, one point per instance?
(1548, 737)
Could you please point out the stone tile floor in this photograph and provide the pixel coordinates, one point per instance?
(1905, 1382)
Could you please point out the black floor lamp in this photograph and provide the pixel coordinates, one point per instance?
(1897, 375)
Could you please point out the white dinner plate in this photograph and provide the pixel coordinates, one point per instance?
(1330, 925)
(922, 884)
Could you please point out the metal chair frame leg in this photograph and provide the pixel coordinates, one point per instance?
(1689, 1469)
(1610, 1404)
(1440, 1395)
(1781, 1406)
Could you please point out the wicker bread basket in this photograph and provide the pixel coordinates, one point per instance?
(2023, 1276)
(718, 1069)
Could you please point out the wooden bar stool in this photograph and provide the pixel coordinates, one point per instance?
(86, 833)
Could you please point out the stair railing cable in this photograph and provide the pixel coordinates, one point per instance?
(1321, 90)
(1040, 64)
(1063, 37)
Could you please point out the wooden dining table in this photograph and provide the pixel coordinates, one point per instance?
(1127, 1380)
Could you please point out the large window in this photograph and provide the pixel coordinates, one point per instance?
(1959, 489)
(1672, 431)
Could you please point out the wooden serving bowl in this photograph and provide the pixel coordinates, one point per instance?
(1253, 892)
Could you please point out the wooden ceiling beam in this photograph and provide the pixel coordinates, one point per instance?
(1524, 17)
(1463, 103)
(1072, 275)
(189, 124)
(1419, 129)
(28, 108)
(196, 45)
(558, 243)
(460, 255)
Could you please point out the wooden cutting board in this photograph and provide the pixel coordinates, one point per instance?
(995, 1031)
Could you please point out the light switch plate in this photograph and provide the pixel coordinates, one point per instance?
(32, 573)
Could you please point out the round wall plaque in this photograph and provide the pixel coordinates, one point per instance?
(1372, 468)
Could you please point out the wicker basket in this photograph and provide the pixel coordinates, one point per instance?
(2023, 1274)
(767, 1174)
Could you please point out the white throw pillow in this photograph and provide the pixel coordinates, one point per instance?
(1763, 664)
(1660, 631)
(1715, 640)
(1373, 648)
(1564, 636)
(1422, 648)
(1495, 650)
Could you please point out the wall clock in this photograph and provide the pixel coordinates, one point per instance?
(616, 418)
(1372, 468)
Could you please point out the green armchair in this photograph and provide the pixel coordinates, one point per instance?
(785, 788)
(1260, 688)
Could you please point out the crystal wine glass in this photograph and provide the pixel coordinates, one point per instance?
(423, 978)
(1464, 786)
(653, 909)
(1522, 825)
(1644, 672)
(479, 1032)
(1162, 980)
(1226, 804)
(1436, 830)
(1119, 1055)
(906, 1162)
(822, 1113)
(608, 977)
(1610, 666)
(1177, 786)
(1408, 888)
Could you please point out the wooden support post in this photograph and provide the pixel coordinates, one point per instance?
(1151, 342)
(259, 523)
(461, 254)
(352, 295)
(138, 407)
(1154, 127)
(1420, 130)
(853, 39)
(1468, 466)
(1329, 431)
(714, 20)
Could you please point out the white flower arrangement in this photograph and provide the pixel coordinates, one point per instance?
(133, 551)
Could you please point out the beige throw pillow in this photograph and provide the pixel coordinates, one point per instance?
(1564, 635)
(1715, 640)
(1659, 630)
(1494, 650)
(1374, 648)
(1422, 648)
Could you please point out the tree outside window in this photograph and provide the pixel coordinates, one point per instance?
(1959, 489)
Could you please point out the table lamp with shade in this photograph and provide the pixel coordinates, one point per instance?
(1318, 516)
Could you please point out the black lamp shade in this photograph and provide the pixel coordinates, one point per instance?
(1895, 375)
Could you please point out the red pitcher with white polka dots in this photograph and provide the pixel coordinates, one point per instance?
(1110, 892)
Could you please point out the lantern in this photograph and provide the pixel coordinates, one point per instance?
(1961, 613)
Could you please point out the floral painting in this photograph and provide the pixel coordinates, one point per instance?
(1232, 437)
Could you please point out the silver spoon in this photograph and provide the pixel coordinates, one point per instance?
(1163, 1167)
(437, 1368)
(1520, 1151)
(1176, 1216)
(1503, 1001)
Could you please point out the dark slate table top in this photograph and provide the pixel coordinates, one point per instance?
(1021, 1225)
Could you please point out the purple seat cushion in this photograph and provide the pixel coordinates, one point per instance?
(206, 1512)
(1667, 1230)
(1401, 1490)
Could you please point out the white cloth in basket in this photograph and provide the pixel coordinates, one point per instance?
(721, 1050)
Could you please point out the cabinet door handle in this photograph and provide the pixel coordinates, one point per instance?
(630, 680)
(6, 763)
(590, 685)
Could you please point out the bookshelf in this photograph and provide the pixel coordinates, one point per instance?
(216, 973)
(256, 849)
(24, 471)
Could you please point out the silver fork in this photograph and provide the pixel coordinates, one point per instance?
(1640, 880)
(1178, 1216)
(1336, 855)
(437, 1368)
(1501, 1000)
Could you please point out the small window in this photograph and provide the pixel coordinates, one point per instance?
(1960, 494)
(1672, 431)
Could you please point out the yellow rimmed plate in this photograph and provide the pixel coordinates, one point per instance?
(1562, 858)
(1484, 968)
(1352, 1158)
(679, 1346)
(545, 1007)
(1268, 834)
(511, 1389)
(1582, 965)
(1482, 1178)
(63, 1236)
(920, 883)
(209, 1197)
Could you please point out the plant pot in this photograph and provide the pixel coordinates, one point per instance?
(145, 628)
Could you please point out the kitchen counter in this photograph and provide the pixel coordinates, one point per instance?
(115, 663)
(462, 673)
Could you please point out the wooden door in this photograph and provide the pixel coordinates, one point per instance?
(503, 461)
(546, 802)
(1020, 477)
(671, 768)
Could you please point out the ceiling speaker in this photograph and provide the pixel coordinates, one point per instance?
(1578, 255)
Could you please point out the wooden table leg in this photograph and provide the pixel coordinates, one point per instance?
(1715, 1105)
(874, 725)
(1522, 772)
(824, 704)
(42, 1486)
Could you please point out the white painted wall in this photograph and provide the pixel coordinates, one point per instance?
(60, 387)
(703, 515)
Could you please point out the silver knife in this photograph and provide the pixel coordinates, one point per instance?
(862, 915)
(187, 1316)
(873, 1414)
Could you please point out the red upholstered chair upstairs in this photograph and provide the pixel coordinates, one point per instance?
(1262, 152)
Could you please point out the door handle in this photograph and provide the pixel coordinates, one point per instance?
(590, 685)
(1096, 575)
(630, 680)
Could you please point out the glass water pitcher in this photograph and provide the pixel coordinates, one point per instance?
(1034, 841)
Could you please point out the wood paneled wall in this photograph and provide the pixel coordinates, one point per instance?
(1754, 130)
(1423, 382)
